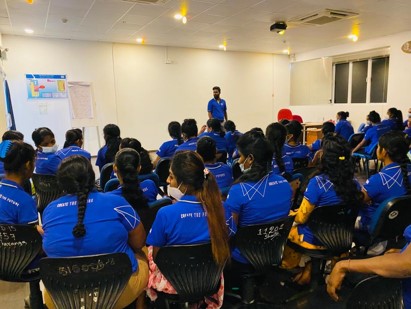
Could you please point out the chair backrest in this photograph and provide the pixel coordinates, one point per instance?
(147, 215)
(333, 226)
(191, 270)
(111, 185)
(391, 218)
(86, 282)
(222, 156)
(376, 293)
(263, 244)
(105, 174)
(298, 118)
(20, 244)
(162, 170)
(355, 139)
(236, 169)
(152, 176)
(47, 190)
(300, 162)
(284, 113)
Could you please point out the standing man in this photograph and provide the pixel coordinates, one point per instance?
(217, 107)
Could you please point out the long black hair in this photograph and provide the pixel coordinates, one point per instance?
(127, 162)
(39, 134)
(72, 136)
(174, 130)
(276, 134)
(76, 176)
(17, 155)
(396, 115)
(113, 139)
(215, 126)
(254, 143)
(145, 161)
(397, 147)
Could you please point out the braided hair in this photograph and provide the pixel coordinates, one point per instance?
(276, 134)
(76, 176)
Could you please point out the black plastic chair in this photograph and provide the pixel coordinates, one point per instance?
(162, 170)
(376, 293)
(105, 174)
(95, 281)
(263, 246)
(20, 246)
(366, 158)
(47, 190)
(191, 270)
(236, 169)
(300, 162)
(147, 215)
(355, 139)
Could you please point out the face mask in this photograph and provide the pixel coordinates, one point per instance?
(50, 149)
(242, 168)
(175, 192)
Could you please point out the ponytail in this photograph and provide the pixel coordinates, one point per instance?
(131, 188)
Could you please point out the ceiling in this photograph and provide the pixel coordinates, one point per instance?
(242, 24)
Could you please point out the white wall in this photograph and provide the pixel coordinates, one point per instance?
(399, 80)
(135, 88)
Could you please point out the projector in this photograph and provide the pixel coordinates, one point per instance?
(278, 26)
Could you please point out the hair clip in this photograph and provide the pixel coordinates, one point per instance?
(4, 148)
(342, 158)
(206, 172)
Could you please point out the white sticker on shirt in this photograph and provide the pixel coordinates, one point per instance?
(258, 188)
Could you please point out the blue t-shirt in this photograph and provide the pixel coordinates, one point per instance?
(392, 124)
(16, 206)
(406, 283)
(47, 163)
(320, 192)
(232, 138)
(148, 187)
(221, 143)
(108, 220)
(316, 145)
(344, 128)
(101, 157)
(217, 109)
(190, 144)
(71, 151)
(288, 164)
(263, 201)
(167, 149)
(296, 152)
(2, 171)
(407, 132)
(182, 223)
(222, 173)
(388, 183)
(373, 134)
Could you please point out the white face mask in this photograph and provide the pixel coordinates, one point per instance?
(242, 168)
(50, 149)
(175, 192)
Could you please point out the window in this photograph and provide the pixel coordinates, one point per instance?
(361, 81)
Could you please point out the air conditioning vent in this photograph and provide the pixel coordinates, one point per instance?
(147, 1)
(323, 17)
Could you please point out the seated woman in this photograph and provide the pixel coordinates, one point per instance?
(10, 135)
(394, 121)
(198, 199)
(343, 127)
(259, 195)
(364, 127)
(393, 180)
(390, 265)
(93, 223)
(215, 131)
(168, 148)
(372, 135)
(276, 134)
(107, 153)
(333, 185)
(146, 165)
(72, 145)
(293, 147)
(328, 127)
(231, 137)
(189, 131)
(47, 162)
(206, 148)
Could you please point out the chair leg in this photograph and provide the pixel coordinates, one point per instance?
(36, 297)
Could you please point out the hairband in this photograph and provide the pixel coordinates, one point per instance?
(342, 158)
(4, 148)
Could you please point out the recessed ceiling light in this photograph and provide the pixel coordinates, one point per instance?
(222, 46)
(140, 40)
(184, 20)
(30, 1)
(29, 31)
(353, 37)
(178, 16)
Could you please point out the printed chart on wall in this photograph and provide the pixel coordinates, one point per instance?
(43, 86)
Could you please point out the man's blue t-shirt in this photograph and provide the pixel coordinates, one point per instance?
(221, 143)
(406, 283)
(288, 165)
(190, 144)
(16, 206)
(344, 128)
(217, 108)
(222, 173)
(108, 220)
(167, 149)
(72, 151)
(296, 152)
(183, 223)
(47, 163)
(263, 201)
(388, 183)
(101, 157)
(148, 187)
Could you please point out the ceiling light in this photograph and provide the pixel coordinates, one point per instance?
(140, 40)
(30, 1)
(222, 46)
(178, 16)
(353, 37)
(184, 20)
(29, 31)
(286, 51)
(279, 27)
